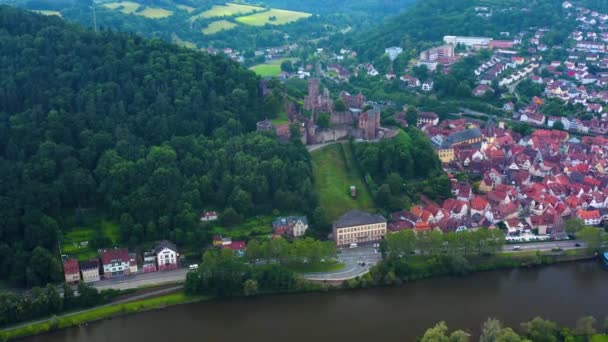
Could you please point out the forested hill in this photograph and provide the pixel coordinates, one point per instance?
(143, 132)
(428, 21)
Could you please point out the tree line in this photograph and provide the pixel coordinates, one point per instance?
(145, 133)
(300, 251)
(43, 302)
(537, 330)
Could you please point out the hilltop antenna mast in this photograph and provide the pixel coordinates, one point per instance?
(94, 17)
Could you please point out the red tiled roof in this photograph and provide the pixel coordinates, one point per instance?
(588, 214)
(121, 254)
(70, 266)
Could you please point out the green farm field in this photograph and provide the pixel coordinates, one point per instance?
(217, 26)
(272, 17)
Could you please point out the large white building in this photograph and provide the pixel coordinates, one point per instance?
(358, 227)
(467, 41)
(166, 255)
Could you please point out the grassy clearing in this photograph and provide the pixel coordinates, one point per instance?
(599, 338)
(258, 226)
(271, 69)
(77, 242)
(45, 12)
(126, 7)
(94, 314)
(334, 173)
(266, 70)
(281, 119)
(316, 268)
(186, 8)
(217, 26)
(227, 10)
(155, 13)
(272, 17)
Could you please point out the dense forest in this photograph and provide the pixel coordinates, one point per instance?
(401, 168)
(428, 21)
(147, 133)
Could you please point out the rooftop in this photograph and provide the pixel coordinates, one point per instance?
(358, 218)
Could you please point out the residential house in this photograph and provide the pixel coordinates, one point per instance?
(71, 271)
(90, 270)
(133, 263)
(292, 226)
(166, 255)
(590, 217)
(482, 89)
(209, 216)
(115, 262)
(425, 118)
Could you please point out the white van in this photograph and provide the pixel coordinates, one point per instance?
(193, 267)
(353, 245)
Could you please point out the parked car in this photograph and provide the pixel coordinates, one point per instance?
(353, 245)
(193, 267)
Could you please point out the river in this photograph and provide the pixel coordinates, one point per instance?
(560, 292)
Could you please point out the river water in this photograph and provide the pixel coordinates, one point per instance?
(561, 292)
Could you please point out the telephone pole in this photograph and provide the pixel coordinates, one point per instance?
(94, 17)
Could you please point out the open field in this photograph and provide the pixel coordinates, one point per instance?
(45, 12)
(227, 10)
(186, 8)
(266, 70)
(217, 26)
(271, 69)
(126, 7)
(155, 13)
(273, 17)
(77, 242)
(334, 173)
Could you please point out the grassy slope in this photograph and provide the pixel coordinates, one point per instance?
(155, 13)
(217, 26)
(72, 240)
(282, 17)
(227, 10)
(334, 173)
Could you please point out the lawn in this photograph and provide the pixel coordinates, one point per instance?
(76, 243)
(102, 312)
(227, 10)
(217, 26)
(155, 13)
(281, 119)
(599, 338)
(186, 8)
(334, 173)
(316, 268)
(271, 69)
(126, 7)
(273, 17)
(45, 12)
(257, 226)
(266, 70)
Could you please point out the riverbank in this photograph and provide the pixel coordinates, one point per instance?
(503, 261)
(99, 313)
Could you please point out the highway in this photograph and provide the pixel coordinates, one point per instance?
(544, 246)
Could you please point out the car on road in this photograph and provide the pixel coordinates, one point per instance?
(193, 267)
(577, 244)
(517, 248)
(353, 245)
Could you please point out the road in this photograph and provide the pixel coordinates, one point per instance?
(143, 279)
(545, 246)
(352, 258)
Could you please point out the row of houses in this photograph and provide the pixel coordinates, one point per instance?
(118, 262)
